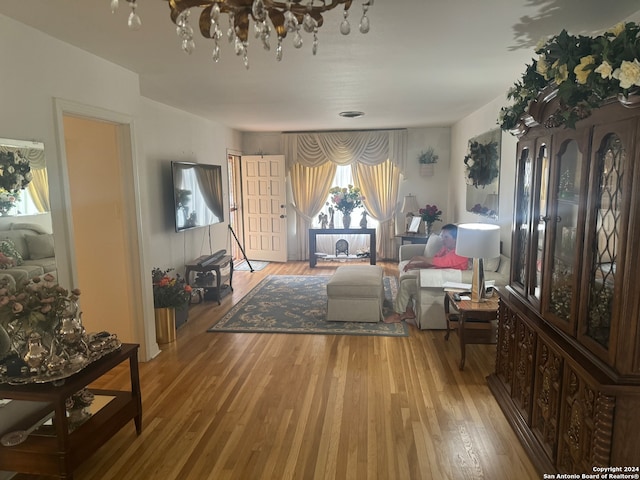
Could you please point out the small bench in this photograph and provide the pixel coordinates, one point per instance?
(355, 294)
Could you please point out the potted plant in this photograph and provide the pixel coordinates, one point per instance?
(169, 294)
(427, 160)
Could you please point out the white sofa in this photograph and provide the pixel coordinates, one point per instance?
(36, 250)
(427, 289)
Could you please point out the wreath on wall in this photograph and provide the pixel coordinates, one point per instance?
(482, 163)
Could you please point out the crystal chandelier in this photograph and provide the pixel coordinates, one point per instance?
(286, 17)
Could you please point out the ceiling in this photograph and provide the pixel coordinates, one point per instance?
(424, 63)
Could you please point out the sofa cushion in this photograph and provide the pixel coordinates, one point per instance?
(433, 246)
(40, 246)
(8, 248)
(491, 264)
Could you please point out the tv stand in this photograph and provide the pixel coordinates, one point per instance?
(207, 264)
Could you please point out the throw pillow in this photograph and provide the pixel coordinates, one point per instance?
(8, 248)
(40, 246)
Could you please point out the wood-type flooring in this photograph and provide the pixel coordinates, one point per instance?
(276, 406)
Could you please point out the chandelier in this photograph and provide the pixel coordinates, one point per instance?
(286, 17)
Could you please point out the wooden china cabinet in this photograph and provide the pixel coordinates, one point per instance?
(567, 370)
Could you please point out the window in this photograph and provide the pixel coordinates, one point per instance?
(357, 243)
(343, 178)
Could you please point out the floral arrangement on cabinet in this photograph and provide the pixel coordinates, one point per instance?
(169, 292)
(582, 71)
(430, 214)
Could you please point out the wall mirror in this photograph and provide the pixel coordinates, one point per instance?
(28, 205)
(482, 172)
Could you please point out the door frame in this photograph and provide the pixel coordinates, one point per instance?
(143, 323)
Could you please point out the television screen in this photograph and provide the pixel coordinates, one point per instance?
(197, 195)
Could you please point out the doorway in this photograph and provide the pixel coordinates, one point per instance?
(100, 220)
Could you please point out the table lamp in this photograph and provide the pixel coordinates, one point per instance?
(409, 205)
(478, 241)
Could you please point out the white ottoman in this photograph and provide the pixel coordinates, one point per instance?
(355, 294)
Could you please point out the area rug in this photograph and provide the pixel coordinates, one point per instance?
(298, 304)
(243, 266)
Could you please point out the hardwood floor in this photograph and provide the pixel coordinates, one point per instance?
(261, 406)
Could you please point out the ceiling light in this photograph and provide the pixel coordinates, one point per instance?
(285, 16)
(351, 114)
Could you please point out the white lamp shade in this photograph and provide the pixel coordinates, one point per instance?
(478, 240)
(410, 204)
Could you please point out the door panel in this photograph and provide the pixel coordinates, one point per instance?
(264, 200)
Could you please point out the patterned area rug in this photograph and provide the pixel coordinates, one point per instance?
(298, 304)
(256, 264)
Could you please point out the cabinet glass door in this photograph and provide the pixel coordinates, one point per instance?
(605, 241)
(563, 235)
(522, 214)
(540, 213)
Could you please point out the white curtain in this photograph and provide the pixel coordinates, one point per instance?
(346, 148)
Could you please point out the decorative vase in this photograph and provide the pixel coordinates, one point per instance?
(165, 325)
(428, 227)
(346, 220)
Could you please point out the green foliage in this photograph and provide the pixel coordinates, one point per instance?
(584, 71)
(482, 163)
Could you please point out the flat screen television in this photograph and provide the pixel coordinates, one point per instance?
(197, 195)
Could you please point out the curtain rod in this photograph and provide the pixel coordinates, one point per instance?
(346, 131)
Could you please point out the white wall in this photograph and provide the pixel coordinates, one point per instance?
(173, 135)
(481, 121)
(44, 69)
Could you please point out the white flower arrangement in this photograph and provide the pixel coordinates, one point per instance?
(585, 71)
(15, 172)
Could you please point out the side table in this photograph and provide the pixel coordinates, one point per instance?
(59, 452)
(216, 267)
(477, 323)
(413, 238)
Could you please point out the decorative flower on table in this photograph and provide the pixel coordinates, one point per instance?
(169, 291)
(430, 214)
(584, 70)
(346, 199)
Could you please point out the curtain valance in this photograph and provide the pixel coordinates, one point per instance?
(344, 148)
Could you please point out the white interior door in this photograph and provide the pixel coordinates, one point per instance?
(264, 207)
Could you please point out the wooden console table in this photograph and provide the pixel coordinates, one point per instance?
(314, 232)
(59, 452)
(477, 323)
(211, 267)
